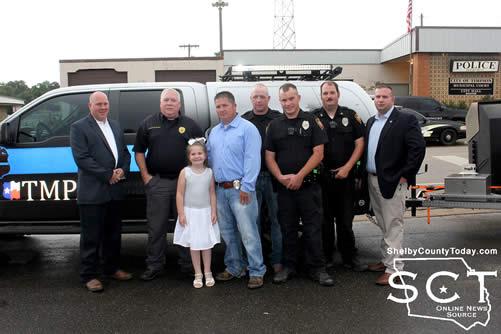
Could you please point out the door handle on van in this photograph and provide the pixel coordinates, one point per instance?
(129, 131)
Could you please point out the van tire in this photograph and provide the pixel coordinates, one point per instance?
(448, 137)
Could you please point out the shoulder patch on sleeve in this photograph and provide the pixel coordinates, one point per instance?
(319, 123)
(357, 118)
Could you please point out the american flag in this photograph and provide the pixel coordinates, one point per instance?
(409, 16)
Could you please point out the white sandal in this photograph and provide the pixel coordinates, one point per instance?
(198, 282)
(209, 280)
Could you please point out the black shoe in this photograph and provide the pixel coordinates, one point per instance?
(322, 277)
(150, 274)
(283, 276)
(187, 271)
(4, 258)
(355, 265)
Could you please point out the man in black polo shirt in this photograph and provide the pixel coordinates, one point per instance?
(294, 148)
(261, 115)
(165, 136)
(345, 131)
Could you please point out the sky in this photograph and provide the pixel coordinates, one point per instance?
(39, 33)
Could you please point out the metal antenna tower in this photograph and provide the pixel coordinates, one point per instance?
(284, 33)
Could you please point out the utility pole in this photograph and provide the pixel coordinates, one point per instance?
(220, 4)
(189, 46)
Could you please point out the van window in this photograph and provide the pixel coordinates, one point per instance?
(52, 118)
(136, 105)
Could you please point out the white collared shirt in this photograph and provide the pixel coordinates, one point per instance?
(110, 138)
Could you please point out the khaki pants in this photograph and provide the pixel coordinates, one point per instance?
(390, 219)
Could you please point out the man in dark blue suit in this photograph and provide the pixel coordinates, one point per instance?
(103, 160)
(395, 150)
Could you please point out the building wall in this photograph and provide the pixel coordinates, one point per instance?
(368, 75)
(139, 70)
(4, 112)
(301, 57)
(421, 74)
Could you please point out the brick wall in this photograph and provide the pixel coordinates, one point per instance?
(432, 73)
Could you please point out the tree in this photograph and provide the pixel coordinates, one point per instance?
(19, 89)
(42, 88)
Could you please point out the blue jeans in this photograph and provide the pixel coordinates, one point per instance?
(264, 190)
(237, 224)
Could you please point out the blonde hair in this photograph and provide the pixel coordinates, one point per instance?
(204, 149)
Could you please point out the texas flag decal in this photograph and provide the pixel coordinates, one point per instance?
(12, 190)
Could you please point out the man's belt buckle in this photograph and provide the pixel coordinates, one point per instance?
(236, 184)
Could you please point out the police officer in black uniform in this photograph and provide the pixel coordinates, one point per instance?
(294, 148)
(261, 115)
(164, 136)
(345, 147)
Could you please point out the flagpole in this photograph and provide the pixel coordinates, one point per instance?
(409, 30)
(410, 65)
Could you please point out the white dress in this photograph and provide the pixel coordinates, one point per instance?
(198, 233)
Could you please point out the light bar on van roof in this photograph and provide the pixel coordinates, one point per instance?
(271, 68)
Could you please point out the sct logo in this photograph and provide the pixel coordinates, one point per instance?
(455, 293)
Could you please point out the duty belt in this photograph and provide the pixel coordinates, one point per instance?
(313, 176)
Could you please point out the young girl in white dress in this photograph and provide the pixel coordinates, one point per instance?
(196, 226)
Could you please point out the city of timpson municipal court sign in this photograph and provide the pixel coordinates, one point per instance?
(462, 66)
(471, 86)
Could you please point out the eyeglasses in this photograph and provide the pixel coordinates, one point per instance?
(201, 140)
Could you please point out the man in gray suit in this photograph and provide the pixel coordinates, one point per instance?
(103, 160)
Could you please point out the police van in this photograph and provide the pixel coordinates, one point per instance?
(37, 171)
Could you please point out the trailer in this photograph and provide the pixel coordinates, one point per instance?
(478, 185)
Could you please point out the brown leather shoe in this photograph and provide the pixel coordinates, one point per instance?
(225, 276)
(255, 282)
(94, 285)
(384, 279)
(376, 267)
(121, 275)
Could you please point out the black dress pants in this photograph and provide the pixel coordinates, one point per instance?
(304, 204)
(338, 204)
(101, 234)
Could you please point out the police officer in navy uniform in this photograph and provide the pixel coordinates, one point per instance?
(294, 149)
(160, 152)
(261, 115)
(345, 131)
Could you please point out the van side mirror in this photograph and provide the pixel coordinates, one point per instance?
(5, 135)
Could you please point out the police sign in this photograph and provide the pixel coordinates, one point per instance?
(461, 66)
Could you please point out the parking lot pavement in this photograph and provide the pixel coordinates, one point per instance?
(40, 292)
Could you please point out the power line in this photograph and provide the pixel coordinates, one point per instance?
(189, 46)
